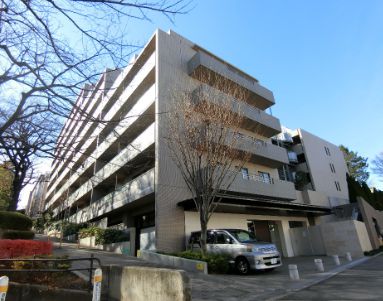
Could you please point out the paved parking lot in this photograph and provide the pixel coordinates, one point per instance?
(230, 287)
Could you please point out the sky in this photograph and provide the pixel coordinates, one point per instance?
(323, 60)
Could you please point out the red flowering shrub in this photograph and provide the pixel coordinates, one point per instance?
(20, 247)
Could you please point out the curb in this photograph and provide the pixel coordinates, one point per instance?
(322, 277)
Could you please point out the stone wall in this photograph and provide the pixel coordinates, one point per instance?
(144, 283)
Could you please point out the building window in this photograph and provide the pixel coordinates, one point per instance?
(337, 186)
(245, 173)
(301, 158)
(332, 167)
(295, 224)
(327, 150)
(264, 177)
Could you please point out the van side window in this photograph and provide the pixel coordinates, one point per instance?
(222, 238)
(210, 237)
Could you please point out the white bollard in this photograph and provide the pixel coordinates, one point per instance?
(348, 256)
(336, 259)
(97, 278)
(319, 265)
(293, 271)
(3, 287)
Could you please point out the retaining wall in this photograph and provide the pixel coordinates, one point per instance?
(145, 283)
(174, 261)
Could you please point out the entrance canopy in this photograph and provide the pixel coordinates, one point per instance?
(240, 204)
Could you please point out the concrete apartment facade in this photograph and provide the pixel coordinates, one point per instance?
(36, 200)
(120, 173)
(320, 163)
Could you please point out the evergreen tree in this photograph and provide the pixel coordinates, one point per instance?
(356, 165)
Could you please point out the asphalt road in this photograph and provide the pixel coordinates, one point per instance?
(363, 282)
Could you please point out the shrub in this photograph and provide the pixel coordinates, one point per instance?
(104, 236)
(88, 232)
(113, 235)
(71, 228)
(17, 234)
(216, 263)
(19, 248)
(14, 221)
(42, 265)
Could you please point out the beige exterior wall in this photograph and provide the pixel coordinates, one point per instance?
(173, 56)
(239, 221)
(313, 197)
(319, 166)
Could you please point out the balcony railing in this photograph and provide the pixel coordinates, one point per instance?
(262, 152)
(262, 186)
(134, 190)
(253, 119)
(210, 70)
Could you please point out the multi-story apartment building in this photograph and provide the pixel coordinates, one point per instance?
(120, 172)
(316, 166)
(36, 200)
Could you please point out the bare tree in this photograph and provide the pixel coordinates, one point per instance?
(19, 145)
(378, 165)
(204, 141)
(50, 49)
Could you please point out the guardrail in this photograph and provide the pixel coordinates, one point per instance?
(91, 267)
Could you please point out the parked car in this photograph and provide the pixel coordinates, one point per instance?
(242, 246)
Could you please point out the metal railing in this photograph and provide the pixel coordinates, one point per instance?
(90, 269)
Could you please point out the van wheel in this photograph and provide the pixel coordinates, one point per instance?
(242, 266)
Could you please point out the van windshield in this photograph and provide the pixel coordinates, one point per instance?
(242, 235)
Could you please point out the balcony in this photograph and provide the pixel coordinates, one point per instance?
(251, 184)
(211, 71)
(262, 153)
(143, 142)
(254, 119)
(134, 190)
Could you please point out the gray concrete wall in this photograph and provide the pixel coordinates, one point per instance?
(332, 238)
(345, 236)
(181, 263)
(307, 241)
(144, 283)
(368, 214)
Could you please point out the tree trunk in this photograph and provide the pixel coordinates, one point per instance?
(203, 238)
(16, 189)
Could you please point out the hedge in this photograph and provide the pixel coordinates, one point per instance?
(15, 221)
(19, 248)
(71, 228)
(104, 236)
(216, 263)
(17, 234)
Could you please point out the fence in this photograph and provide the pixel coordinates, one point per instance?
(91, 267)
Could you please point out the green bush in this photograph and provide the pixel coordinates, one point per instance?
(88, 232)
(113, 235)
(71, 228)
(17, 234)
(216, 263)
(14, 221)
(104, 236)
